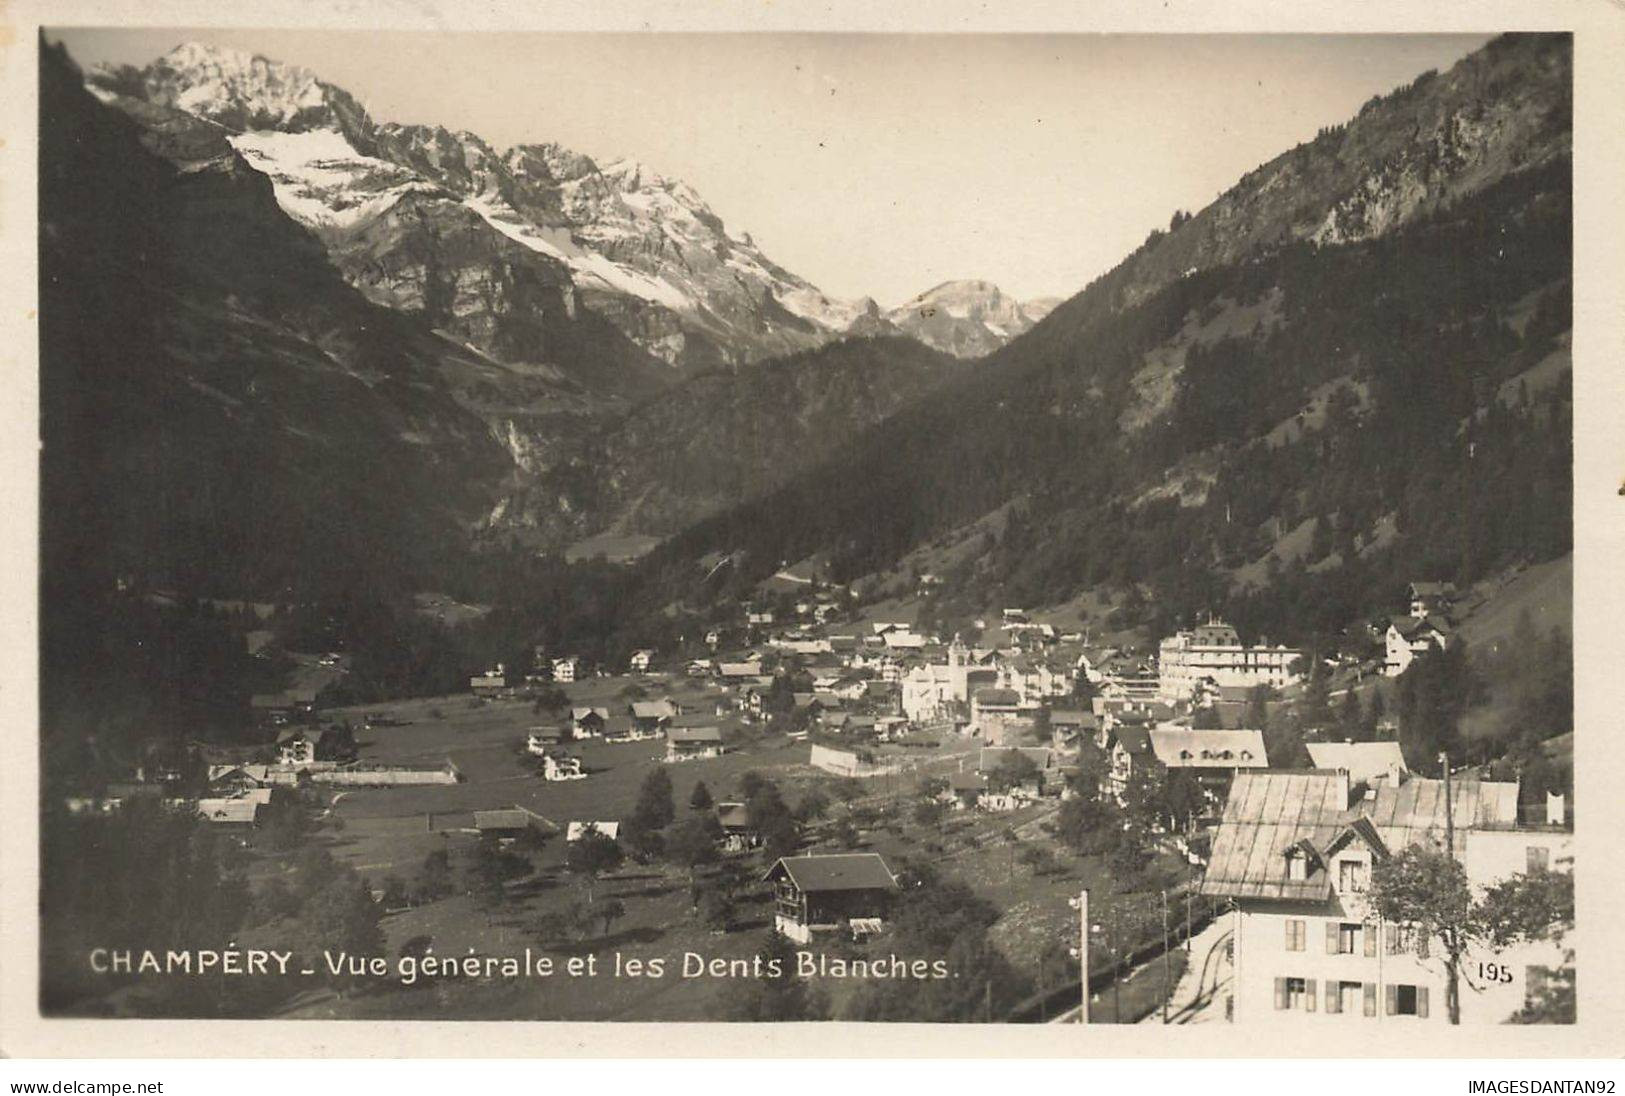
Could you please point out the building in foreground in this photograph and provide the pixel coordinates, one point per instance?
(688, 743)
(844, 891)
(1295, 851)
(1214, 652)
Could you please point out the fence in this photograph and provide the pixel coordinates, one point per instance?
(355, 776)
(844, 763)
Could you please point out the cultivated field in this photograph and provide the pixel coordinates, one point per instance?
(389, 831)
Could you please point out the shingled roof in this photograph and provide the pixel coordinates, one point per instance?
(1365, 761)
(1180, 748)
(838, 872)
(1271, 811)
(701, 735)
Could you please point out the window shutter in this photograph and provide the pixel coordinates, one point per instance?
(1290, 934)
(1331, 937)
(1280, 993)
(1422, 1001)
(1371, 998)
(1334, 998)
(1369, 932)
(1391, 1000)
(1308, 995)
(1392, 932)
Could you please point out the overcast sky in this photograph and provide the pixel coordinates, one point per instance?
(878, 165)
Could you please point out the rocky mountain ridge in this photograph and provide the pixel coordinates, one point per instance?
(643, 250)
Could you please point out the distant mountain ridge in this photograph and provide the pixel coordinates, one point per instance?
(1313, 357)
(642, 249)
(968, 319)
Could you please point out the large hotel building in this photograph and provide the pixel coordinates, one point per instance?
(1214, 650)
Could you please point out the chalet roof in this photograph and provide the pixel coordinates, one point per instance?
(1410, 626)
(312, 735)
(997, 698)
(696, 735)
(1363, 829)
(1134, 740)
(836, 872)
(509, 818)
(1364, 761)
(1433, 589)
(992, 756)
(1187, 749)
(653, 709)
(228, 772)
(1271, 811)
(575, 831)
(578, 714)
(618, 725)
(1072, 717)
(740, 669)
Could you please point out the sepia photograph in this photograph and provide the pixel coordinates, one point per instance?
(984, 528)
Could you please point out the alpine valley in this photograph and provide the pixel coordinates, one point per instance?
(291, 352)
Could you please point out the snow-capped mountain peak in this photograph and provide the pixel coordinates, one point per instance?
(236, 89)
(641, 248)
(967, 318)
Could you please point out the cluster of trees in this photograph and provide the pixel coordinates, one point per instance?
(1427, 887)
(155, 878)
(1413, 326)
(1125, 830)
(936, 917)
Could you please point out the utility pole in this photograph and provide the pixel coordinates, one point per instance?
(1167, 960)
(1081, 904)
(1452, 988)
(1117, 973)
(1449, 809)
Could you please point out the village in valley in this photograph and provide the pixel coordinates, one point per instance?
(477, 583)
(814, 782)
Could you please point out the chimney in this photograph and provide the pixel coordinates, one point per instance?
(1555, 813)
(1396, 774)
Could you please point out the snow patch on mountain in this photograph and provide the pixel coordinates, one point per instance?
(321, 180)
(654, 259)
(590, 268)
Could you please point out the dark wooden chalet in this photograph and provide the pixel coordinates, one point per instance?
(845, 891)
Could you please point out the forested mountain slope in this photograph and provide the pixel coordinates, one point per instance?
(1385, 390)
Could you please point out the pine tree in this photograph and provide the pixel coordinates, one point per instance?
(654, 808)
